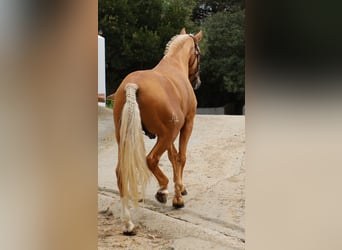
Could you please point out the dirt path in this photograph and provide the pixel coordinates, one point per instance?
(213, 216)
(110, 235)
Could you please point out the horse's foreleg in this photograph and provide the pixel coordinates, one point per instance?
(180, 160)
(152, 161)
(174, 157)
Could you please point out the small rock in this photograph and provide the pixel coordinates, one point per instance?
(151, 236)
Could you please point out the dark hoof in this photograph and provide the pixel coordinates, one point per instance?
(178, 206)
(184, 192)
(132, 233)
(129, 233)
(161, 197)
(178, 202)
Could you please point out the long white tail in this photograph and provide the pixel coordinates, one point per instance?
(133, 166)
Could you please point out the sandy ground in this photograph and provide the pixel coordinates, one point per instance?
(110, 230)
(213, 216)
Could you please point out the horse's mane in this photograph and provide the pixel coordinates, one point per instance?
(174, 43)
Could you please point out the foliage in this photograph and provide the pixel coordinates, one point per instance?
(137, 31)
(205, 8)
(223, 59)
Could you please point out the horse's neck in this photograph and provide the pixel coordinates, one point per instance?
(177, 60)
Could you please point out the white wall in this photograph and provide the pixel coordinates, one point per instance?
(101, 66)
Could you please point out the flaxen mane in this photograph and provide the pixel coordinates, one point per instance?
(174, 43)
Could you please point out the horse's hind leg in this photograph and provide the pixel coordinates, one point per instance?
(129, 228)
(152, 161)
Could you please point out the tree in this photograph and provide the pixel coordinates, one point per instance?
(136, 33)
(223, 59)
(131, 40)
(205, 8)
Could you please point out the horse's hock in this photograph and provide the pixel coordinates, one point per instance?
(214, 174)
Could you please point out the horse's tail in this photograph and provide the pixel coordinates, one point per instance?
(133, 165)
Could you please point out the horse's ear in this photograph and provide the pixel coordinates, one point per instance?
(182, 32)
(199, 35)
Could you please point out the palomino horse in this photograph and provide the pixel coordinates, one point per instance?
(161, 102)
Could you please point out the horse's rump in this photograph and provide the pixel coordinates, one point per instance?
(159, 101)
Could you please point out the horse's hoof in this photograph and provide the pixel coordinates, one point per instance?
(161, 197)
(177, 203)
(178, 206)
(132, 233)
(184, 192)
